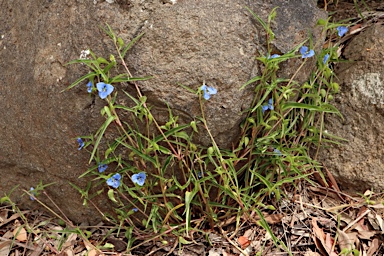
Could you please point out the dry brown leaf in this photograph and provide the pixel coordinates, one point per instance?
(13, 217)
(250, 233)
(332, 180)
(70, 240)
(3, 215)
(380, 221)
(354, 30)
(8, 234)
(69, 244)
(67, 252)
(373, 248)
(365, 234)
(5, 248)
(362, 210)
(377, 206)
(346, 241)
(329, 241)
(243, 241)
(324, 242)
(326, 193)
(215, 252)
(356, 224)
(92, 252)
(310, 253)
(20, 234)
(274, 218)
(339, 50)
(318, 236)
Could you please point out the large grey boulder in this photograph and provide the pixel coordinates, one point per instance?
(186, 42)
(358, 163)
(216, 41)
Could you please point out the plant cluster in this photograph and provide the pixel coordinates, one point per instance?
(160, 181)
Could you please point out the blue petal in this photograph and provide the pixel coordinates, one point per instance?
(303, 50)
(273, 56)
(81, 143)
(308, 54)
(264, 108)
(33, 193)
(139, 178)
(277, 152)
(325, 59)
(117, 176)
(104, 89)
(311, 53)
(208, 91)
(89, 86)
(206, 96)
(114, 181)
(135, 209)
(211, 90)
(342, 30)
(102, 167)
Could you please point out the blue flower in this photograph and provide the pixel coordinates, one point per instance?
(139, 178)
(89, 86)
(31, 190)
(135, 209)
(342, 30)
(199, 175)
(306, 53)
(325, 59)
(104, 89)
(268, 106)
(277, 152)
(102, 167)
(81, 143)
(114, 181)
(273, 56)
(208, 91)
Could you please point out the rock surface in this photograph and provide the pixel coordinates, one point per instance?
(186, 42)
(216, 41)
(358, 164)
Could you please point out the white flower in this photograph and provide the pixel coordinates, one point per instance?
(84, 54)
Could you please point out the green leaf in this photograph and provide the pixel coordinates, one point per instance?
(100, 134)
(109, 66)
(188, 200)
(265, 26)
(130, 44)
(125, 78)
(138, 153)
(101, 60)
(194, 127)
(111, 195)
(171, 132)
(255, 79)
(109, 32)
(182, 135)
(327, 108)
(88, 76)
(120, 42)
(183, 241)
(188, 89)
